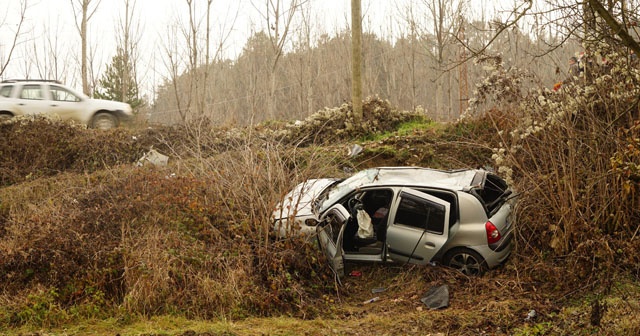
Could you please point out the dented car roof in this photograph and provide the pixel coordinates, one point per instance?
(417, 176)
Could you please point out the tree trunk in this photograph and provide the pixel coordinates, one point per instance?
(83, 38)
(356, 60)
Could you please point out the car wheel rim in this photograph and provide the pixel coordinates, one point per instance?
(104, 123)
(465, 263)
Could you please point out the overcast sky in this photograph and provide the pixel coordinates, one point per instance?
(47, 18)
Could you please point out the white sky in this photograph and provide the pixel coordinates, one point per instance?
(49, 18)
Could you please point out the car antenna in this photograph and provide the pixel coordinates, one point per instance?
(419, 240)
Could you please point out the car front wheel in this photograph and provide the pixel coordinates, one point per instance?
(104, 121)
(465, 260)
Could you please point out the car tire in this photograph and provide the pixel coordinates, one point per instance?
(104, 121)
(465, 260)
(5, 116)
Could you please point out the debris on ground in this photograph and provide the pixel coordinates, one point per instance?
(377, 298)
(153, 157)
(436, 297)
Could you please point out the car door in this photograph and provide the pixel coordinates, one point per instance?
(67, 104)
(330, 231)
(419, 227)
(32, 99)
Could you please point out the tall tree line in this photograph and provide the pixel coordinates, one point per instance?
(292, 68)
(312, 77)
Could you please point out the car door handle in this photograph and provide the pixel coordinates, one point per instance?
(54, 105)
(430, 245)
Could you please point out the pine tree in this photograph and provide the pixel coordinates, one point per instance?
(118, 83)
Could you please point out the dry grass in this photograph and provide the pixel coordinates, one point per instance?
(84, 242)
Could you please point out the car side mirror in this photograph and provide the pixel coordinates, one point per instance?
(311, 222)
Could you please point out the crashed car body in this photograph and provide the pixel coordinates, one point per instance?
(460, 218)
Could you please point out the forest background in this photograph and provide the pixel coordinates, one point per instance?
(250, 61)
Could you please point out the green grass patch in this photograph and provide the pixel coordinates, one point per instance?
(416, 125)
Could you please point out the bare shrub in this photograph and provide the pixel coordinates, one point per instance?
(573, 204)
(158, 240)
(34, 147)
(337, 124)
(194, 237)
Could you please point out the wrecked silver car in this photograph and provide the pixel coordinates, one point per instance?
(458, 218)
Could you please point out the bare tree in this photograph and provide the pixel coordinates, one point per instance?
(128, 38)
(84, 10)
(621, 21)
(190, 55)
(279, 19)
(410, 53)
(48, 54)
(174, 66)
(305, 74)
(444, 16)
(16, 33)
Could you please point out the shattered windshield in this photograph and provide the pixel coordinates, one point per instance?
(338, 191)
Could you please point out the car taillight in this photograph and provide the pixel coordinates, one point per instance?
(493, 235)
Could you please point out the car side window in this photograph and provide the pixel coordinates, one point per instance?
(448, 197)
(31, 91)
(5, 91)
(61, 94)
(420, 213)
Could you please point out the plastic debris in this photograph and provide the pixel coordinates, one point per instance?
(531, 315)
(372, 300)
(355, 273)
(153, 157)
(436, 297)
(378, 290)
(347, 170)
(355, 150)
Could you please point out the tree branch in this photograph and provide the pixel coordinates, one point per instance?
(618, 28)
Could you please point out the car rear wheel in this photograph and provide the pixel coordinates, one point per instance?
(465, 260)
(104, 121)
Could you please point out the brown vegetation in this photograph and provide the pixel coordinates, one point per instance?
(87, 234)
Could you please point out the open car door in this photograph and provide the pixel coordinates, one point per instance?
(419, 227)
(330, 231)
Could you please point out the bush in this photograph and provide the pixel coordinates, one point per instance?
(159, 240)
(337, 124)
(574, 205)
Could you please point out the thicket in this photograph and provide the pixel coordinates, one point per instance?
(86, 232)
(572, 156)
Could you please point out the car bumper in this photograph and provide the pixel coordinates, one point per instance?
(499, 253)
(505, 242)
(283, 227)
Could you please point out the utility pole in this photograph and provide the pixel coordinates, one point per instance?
(356, 60)
(463, 82)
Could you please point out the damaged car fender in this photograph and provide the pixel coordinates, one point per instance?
(330, 231)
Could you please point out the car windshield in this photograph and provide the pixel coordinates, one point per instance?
(338, 191)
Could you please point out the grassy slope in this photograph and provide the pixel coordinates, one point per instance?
(495, 304)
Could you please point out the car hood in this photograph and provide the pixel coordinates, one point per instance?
(298, 202)
(111, 104)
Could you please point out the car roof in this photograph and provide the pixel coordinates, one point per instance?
(40, 81)
(462, 179)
